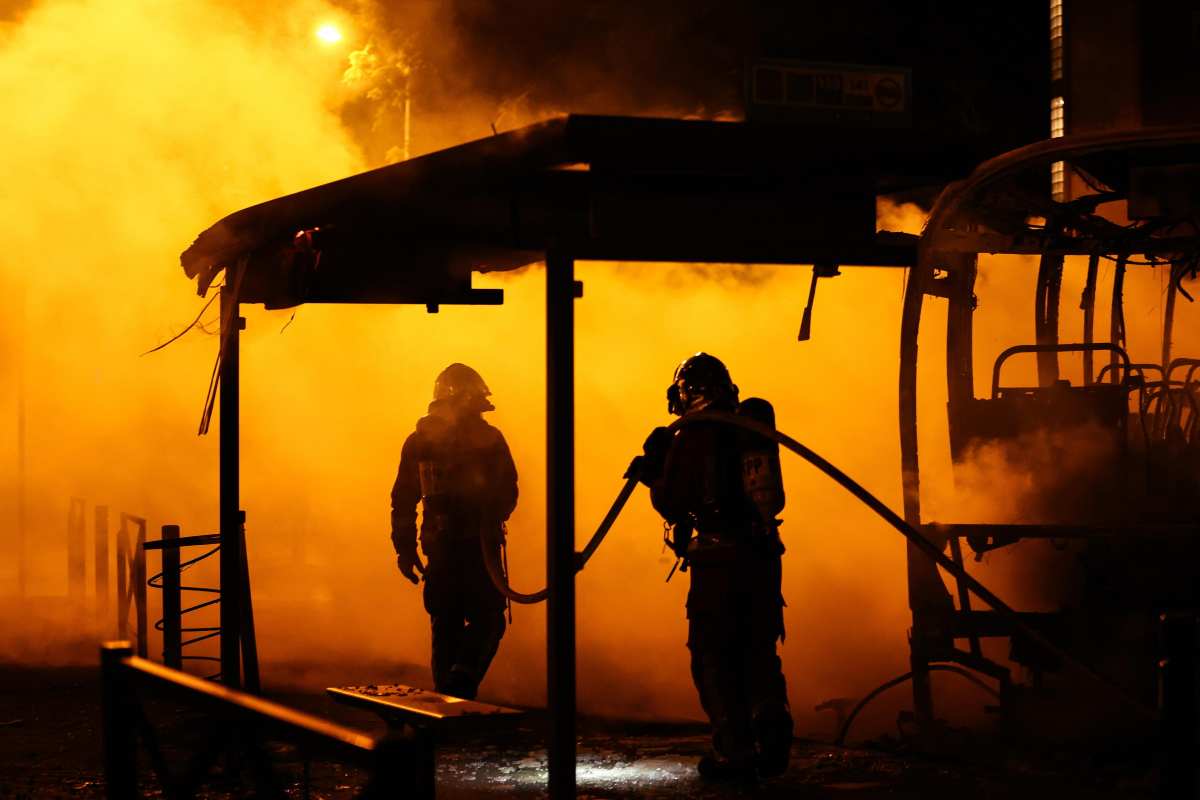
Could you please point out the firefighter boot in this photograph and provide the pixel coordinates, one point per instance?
(717, 769)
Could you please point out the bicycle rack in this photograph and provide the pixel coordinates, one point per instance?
(170, 581)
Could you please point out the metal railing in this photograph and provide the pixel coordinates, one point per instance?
(242, 724)
(131, 579)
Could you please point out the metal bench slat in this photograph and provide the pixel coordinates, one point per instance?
(421, 706)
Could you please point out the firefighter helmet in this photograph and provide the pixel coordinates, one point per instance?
(701, 381)
(462, 385)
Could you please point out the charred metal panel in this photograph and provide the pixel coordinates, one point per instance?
(1029, 411)
(730, 214)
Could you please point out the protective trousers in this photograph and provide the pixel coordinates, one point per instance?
(467, 617)
(735, 618)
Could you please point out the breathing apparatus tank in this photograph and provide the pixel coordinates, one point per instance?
(762, 478)
(433, 496)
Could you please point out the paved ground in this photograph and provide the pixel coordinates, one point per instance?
(50, 748)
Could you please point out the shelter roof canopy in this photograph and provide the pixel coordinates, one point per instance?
(618, 188)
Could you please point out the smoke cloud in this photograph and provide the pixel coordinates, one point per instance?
(132, 126)
(159, 120)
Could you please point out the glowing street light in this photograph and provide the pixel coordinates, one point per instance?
(329, 34)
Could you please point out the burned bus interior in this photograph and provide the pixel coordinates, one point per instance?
(1127, 520)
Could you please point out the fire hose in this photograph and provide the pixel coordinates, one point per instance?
(930, 550)
(496, 572)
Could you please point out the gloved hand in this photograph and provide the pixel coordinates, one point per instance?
(648, 467)
(406, 560)
(681, 537)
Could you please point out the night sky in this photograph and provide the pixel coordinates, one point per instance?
(978, 68)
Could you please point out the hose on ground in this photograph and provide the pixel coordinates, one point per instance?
(899, 679)
(930, 550)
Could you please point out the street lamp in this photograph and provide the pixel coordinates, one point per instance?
(328, 34)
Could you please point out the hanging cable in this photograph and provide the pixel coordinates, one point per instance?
(214, 380)
(194, 323)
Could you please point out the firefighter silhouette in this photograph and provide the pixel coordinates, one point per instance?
(460, 469)
(721, 489)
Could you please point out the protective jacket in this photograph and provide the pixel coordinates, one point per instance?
(461, 469)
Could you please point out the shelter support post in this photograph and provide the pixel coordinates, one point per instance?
(101, 560)
(1116, 319)
(172, 599)
(22, 553)
(560, 521)
(918, 276)
(139, 588)
(1087, 304)
(1174, 274)
(960, 389)
(230, 513)
(249, 641)
(1049, 288)
(76, 553)
(131, 578)
(932, 608)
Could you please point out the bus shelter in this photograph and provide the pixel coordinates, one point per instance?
(568, 189)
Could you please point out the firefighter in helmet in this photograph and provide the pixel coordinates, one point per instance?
(460, 469)
(720, 488)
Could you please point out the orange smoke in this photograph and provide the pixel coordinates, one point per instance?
(139, 123)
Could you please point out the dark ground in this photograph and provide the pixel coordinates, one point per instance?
(50, 748)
